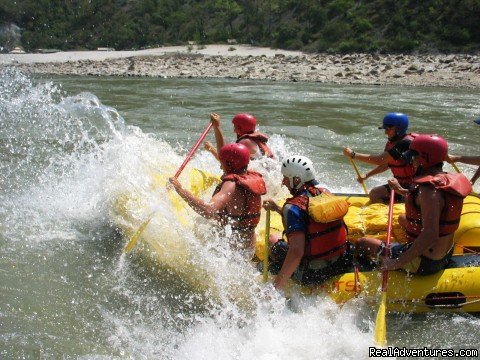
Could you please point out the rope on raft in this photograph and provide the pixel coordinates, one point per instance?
(467, 249)
(421, 302)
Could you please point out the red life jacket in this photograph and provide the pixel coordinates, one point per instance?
(253, 185)
(455, 188)
(401, 171)
(322, 240)
(261, 140)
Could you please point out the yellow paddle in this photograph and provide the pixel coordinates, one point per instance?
(381, 322)
(265, 254)
(358, 175)
(134, 239)
(455, 167)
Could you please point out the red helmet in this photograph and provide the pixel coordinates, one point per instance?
(430, 149)
(234, 157)
(245, 123)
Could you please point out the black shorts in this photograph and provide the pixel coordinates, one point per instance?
(420, 265)
(306, 273)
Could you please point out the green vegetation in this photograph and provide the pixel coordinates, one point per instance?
(393, 26)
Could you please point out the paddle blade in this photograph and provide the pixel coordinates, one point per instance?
(133, 241)
(381, 322)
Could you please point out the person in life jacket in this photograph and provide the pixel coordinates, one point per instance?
(244, 125)
(471, 160)
(236, 201)
(315, 251)
(395, 126)
(433, 208)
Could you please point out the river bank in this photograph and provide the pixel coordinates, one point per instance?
(247, 62)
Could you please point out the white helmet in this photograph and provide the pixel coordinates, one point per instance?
(300, 167)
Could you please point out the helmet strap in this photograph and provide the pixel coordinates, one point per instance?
(419, 171)
(296, 181)
(237, 172)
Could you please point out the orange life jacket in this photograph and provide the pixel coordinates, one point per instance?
(253, 185)
(455, 188)
(322, 240)
(261, 140)
(401, 171)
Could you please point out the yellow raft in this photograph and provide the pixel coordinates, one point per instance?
(456, 288)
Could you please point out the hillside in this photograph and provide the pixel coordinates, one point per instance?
(335, 26)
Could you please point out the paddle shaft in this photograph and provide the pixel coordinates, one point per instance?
(455, 167)
(355, 167)
(192, 150)
(381, 321)
(265, 254)
(389, 236)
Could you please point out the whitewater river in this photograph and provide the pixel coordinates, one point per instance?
(71, 147)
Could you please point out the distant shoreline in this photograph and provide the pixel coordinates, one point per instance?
(257, 63)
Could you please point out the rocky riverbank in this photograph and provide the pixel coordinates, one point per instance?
(244, 62)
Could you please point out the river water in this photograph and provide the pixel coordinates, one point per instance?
(70, 145)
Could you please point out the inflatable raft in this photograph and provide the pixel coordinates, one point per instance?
(454, 289)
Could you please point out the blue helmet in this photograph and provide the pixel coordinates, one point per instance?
(399, 120)
(477, 121)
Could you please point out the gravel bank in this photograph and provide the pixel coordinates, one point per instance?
(246, 62)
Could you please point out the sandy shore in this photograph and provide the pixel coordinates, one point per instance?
(247, 62)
